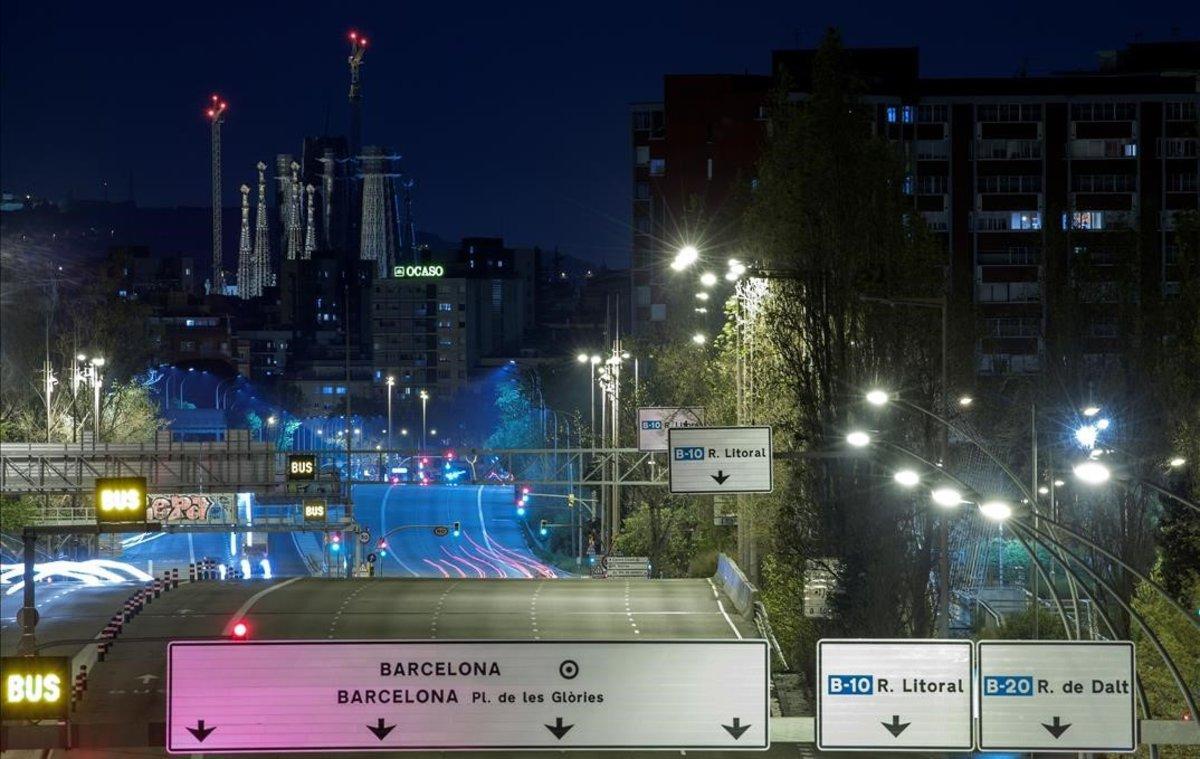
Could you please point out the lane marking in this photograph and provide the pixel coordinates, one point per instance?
(241, 612)
(721, 606)
(383, 526)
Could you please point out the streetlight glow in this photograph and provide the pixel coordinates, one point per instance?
(702, 296)
(946, 497)
(1043, 490)
(907, 478)
(595, 359)
(582, 358)
(699, 338)
(1086, 435)
(1177, 462)
(965, 401)
(1102, 424)
(858, 439)
(878, 397)
(997, 511)
(1091, 411)
(686, 256)
(1092, 472)
(708, 279)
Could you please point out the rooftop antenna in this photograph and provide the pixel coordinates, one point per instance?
(216, 114)
(358, 48)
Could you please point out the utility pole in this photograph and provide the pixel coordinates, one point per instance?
(349, 423)
(216, 115)
(358, 48)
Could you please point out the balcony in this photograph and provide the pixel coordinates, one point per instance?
(1007, 221)
(1010, 257)
(933, 150)
(1008, 363)
(1103, 149)
(1179, 147)
(937, 221)
(1008, 150)
(1013, 327)
(1008, 292)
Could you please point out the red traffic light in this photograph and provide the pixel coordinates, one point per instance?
(525, 490)
(335, 537)
(382, 543)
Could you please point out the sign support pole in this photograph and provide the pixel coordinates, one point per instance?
(28, 615)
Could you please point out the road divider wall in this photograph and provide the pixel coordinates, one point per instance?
(733, 582)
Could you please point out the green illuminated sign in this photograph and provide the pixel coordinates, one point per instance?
(418, 270)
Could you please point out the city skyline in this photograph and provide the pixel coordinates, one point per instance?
(553, 170)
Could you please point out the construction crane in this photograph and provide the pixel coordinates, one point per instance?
(358, 47)
(216, 115)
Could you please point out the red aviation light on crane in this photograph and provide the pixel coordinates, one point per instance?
(354, 35)
(240, 631)
(362, 41)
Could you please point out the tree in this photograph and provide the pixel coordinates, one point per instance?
(830, 210)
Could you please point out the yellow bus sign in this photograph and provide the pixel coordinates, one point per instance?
(121, 499)
(301, 466)
(314, 509)
(35, 687)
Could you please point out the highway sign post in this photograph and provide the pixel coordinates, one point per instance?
(301, 467)
(720, 459)
(1057, 696)
(315, 509)
(396, 695)
(894, 695)
(654, 421)
(626, 567)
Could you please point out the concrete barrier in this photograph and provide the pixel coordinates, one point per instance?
(733, 582)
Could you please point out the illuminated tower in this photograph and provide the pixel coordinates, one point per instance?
(264, 277)
(216, 115)
(358, 47)
(378, 242)
(293, 214)
(245, 271)
(310, 228)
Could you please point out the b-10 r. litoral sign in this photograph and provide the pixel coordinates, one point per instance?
(322, 696)
(720, 459)
(1057, 696)
(654, 421)
(894, 695)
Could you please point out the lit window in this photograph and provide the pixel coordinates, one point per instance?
(1025, 220)
(907, 187)
(906, 114)
(1131, 150)
(658, 167)
(1085, 220)
(891, 114)
(341, 389)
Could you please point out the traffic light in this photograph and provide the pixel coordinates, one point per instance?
(382, 548)
(456, 529)
(542, 528)
(240, 631)
(335, 541)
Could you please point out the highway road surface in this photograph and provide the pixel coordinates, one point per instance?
(492, 542)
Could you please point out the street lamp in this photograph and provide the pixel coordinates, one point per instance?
(997, 511)
(424, 400)
(686, 256)
(1092, 472)
(1177, 462)
(391, 383)
(708, 279)
(946, 497)
(907, 478)
(699, 338)
(965, 401)
(1091, 411)
(97, 382)
(858, 439)
(701, 295)
(878, 397)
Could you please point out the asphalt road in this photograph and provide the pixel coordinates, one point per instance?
(126, 692)
(69, 611)
(491, 543)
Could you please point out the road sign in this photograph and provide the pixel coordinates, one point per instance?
(1057, 696)
(301, 467)
(121, 499)
(315, 509)
(371, 557)
(441, 530)
(894, 695)
(364, 535)
(35, 687)
(720, 459)
(626, 567)
(290, 696)
(654, 421)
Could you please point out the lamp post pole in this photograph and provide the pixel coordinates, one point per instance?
(391, 382)
(424, 426)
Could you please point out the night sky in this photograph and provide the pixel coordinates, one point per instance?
(513, 117)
